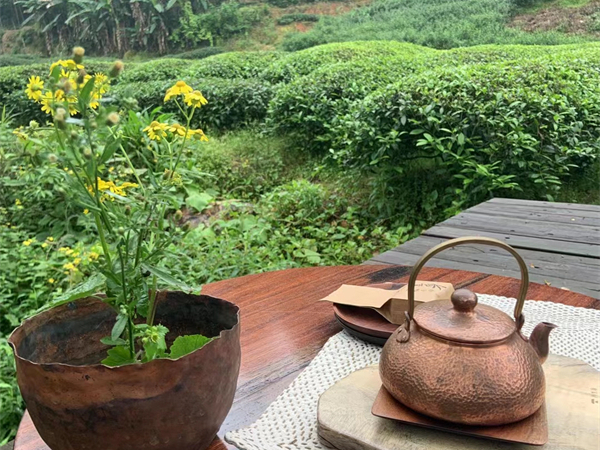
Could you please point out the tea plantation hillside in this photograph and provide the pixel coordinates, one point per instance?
(326, 155)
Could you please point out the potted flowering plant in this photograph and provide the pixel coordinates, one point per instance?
(133, 367)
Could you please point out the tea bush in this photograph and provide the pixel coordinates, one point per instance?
(231, 103)
(199, 53)
(310, 106)
(302, 63)
(485, 128)
(235, 64)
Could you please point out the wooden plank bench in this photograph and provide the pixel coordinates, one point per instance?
(559, 241)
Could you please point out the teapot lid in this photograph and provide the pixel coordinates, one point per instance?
(463, 320)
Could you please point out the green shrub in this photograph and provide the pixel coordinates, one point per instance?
(18, 60)
(199, 53)
(156, 70)
(218, 23)
(483, 128)
(309, 107)
(245, 164)
(297, 64)
(287, 19)
(231, 103)
(235, 65)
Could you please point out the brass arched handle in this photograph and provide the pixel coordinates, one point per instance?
(469, 240)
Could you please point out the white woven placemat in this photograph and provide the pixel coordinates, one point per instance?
(290, 422)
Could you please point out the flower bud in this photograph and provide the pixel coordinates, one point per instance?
(78, 53)
(127, 210)
(60, 117)
(112, 119)
(116, 70)
(178, 215)
(65, 85)
(52, 158)
(81, 76)
(87, 152)
(74, 134)
(121, 231)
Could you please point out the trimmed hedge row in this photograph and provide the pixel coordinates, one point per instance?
(231, 103)
(298, 64)
(312, 106)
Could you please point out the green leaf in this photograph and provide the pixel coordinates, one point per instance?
(86, 92)
(185, 345)
(85, 289)
(110, 341)
(199, 200)
(118, 356)
(166, 277)
(119, 327)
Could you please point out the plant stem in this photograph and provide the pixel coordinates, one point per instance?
(152, 303)
(103, 241)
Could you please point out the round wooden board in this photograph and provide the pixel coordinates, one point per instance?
(284, 307)
(365, 323)
(345, 420)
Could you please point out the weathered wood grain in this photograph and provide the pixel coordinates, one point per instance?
(528, 242)
(523, 227)
(284, 326)
(395, 257)
(559, 241)
(570, 216)
(541, 204)
(573, 411)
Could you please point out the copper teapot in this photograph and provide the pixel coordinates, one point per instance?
(463, 362)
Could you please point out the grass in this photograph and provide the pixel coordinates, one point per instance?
(433, 23)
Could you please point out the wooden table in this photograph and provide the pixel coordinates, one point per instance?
(559, 241)
(284, 326)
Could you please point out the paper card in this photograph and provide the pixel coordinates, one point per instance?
(391, 304)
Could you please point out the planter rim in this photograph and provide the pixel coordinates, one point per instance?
(133, 366)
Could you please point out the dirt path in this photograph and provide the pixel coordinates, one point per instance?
(582, 20)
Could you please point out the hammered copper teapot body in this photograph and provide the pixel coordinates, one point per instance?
(463, 362)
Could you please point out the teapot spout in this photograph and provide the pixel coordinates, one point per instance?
(539, 339)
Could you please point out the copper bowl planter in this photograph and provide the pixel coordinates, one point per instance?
(76, 403)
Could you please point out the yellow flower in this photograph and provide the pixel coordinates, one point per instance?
(179, 88)
(50, 239)
(63, 249)
(77, 261)
(48, 100)
(195, 99)
(44, 245)
(156, 130)
(199, 134)
(110, 186)
(69, 266)
(20, 134)
(178, 130)
(111, 169)
(17, 202)
(28, 242)
(93, 256)
(51, 280)
(67, 64)
(34, 88)
(69, 252)
(101, 83)
(86, 211)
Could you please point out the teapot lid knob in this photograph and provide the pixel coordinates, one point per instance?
(464, 300)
